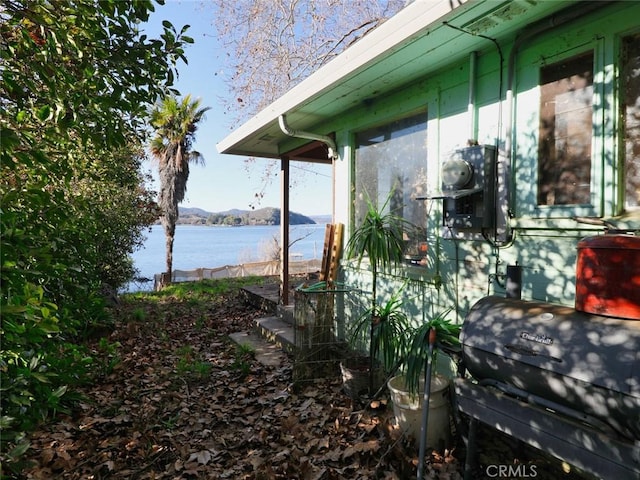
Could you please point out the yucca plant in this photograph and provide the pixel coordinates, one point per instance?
(447, 335)
(388, 325)
(381, 238)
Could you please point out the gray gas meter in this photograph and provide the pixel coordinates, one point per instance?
(468, 178)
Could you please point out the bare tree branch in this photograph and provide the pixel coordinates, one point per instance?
(272, 45)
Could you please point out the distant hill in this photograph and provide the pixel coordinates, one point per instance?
(236, 217)
(323, 219)
(189, 211)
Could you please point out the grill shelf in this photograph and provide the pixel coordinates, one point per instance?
(562, 437)
(564, 381)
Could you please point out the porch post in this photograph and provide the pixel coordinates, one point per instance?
(284, 230)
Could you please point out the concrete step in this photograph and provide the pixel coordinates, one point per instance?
(265, 352)
(265, 297)
(274, 334)
(285, 312)
(277, 331)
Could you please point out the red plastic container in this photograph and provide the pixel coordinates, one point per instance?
(608, 276)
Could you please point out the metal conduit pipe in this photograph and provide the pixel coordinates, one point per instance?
(328, 141)
(471, 108)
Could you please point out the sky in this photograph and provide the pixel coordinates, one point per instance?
(224, 183)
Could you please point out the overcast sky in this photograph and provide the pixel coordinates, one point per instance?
(224, 182)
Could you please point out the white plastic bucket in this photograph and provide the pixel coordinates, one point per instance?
(408, 410)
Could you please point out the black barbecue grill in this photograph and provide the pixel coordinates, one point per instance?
(562, 380)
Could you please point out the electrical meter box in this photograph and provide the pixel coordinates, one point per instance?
(468, 188)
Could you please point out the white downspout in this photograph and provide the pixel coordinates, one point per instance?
(328, 141)
(284, 222)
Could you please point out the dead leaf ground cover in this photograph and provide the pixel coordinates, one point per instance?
(176, 399)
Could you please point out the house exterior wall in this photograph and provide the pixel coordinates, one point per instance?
(465, 267)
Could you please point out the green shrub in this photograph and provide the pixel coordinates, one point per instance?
(75, 94)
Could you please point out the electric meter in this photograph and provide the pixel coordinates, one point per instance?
(456, 173)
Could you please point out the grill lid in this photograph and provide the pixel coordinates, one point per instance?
(582, 361)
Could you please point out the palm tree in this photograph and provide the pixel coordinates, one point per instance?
(175, 123)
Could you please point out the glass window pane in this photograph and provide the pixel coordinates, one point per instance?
(393, 157)
(564, 154)
(631, 117)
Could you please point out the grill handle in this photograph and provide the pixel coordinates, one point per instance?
(530, 352)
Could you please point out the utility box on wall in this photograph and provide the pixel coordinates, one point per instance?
(468, 188)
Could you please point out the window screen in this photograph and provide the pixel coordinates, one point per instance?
(393, 158)
(564, 155)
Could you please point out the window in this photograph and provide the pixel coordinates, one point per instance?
(393, 158)
(631, 118)
(564, 154)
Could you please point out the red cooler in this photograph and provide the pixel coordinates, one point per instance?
(608, 276)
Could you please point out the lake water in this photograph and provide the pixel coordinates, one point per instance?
(211, 247)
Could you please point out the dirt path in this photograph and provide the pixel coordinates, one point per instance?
(176, 399)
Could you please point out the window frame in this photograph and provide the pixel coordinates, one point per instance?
(381, 194)
(622, 151)
(528, 95)
(561, 133)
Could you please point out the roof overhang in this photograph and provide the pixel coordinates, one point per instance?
(417, 41)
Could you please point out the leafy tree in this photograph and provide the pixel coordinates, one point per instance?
(78, 79)
(175, 122)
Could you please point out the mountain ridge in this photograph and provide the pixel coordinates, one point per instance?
(238, 217)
